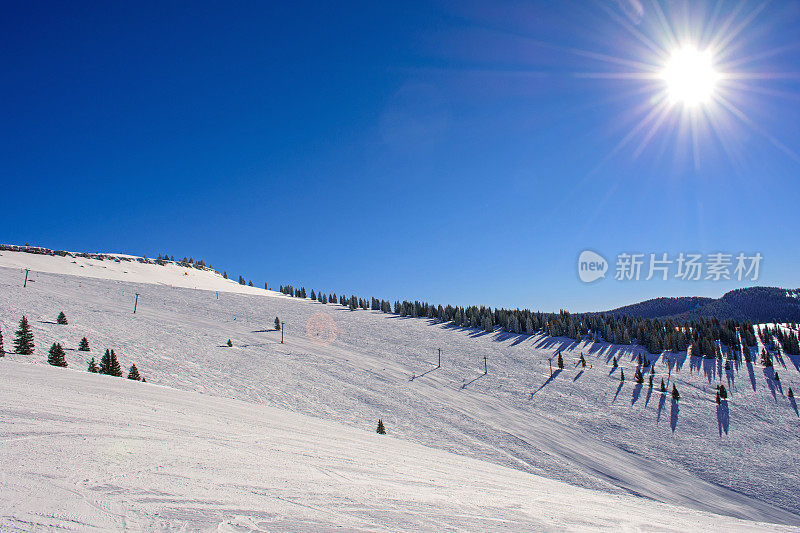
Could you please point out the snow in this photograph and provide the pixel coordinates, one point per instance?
(88, 452)
(579, 427)
(170, 274)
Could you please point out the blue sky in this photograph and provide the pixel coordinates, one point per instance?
(456, 152)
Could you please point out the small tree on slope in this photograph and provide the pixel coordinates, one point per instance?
(56, 356)
(84, 345)
(133, 373)
(62, 319)
(675, 394)
(560, 361)
(277, 324)
(23, 343)
(381, 430)
(109, 364)
(93, 367)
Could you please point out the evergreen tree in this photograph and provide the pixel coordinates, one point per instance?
(93, 367)
(230, 343)
(62, 319)
(381, 430)
(776, 377)
(277, 324)
(791, 394)
(766, 358)
(109, 364)
(614, 363)
(23, 342)
(560, 361)
(56, 356)
(663, 387)
(650, 381)
(583, 361)
(675, 394)
(723, 392)
(638, 377)
(621, 375)
(133, 373)
(84, 345)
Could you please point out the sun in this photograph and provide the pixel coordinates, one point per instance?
(690, 76)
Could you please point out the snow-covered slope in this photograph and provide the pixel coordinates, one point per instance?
(122, 267)
(582, 427)
(85, 452)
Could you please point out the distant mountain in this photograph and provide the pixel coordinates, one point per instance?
(753, 304)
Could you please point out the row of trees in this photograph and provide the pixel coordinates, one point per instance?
(705, 336)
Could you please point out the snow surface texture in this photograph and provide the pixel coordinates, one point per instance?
(583, 427)
(88, 452)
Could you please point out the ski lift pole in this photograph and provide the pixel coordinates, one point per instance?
(282, 328)
(135, 303)
(25, 284)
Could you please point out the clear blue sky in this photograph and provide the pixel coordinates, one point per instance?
(456, 152)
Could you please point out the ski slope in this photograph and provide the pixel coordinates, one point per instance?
(86, 452)
(585, 428)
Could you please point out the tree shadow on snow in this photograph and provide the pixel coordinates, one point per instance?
(673, 415)
(794, 406)
(577, 376)
(723, 418)
(551, 378)
(621, 383)
(768, 375)
(752, 375)
(649, 393)
(710, 369)
(637, 390)
(661, 406)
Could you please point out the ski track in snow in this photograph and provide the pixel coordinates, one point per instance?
(573, 428)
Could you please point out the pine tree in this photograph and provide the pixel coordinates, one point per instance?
(663, 387)
(381, 430)
(583, 361)
(56, 355)
(23, 343)
(621, 375)
(93, 367)
(723, 392)
(791, 394)
(277, 324)
(560, 361)
(675, 394)
(776, 377)
(62, 319)
(650, 381)
(109, 364)
(638, 377)
(84, 345)
(133, 373)
(614, 363)
(230, 343)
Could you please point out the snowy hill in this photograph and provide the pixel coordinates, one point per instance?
(102, 453)
(583, 426)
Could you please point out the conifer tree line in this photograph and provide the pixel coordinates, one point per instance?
(704, 336)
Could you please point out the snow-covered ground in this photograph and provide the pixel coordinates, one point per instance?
(88, 452)
(582, 427)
